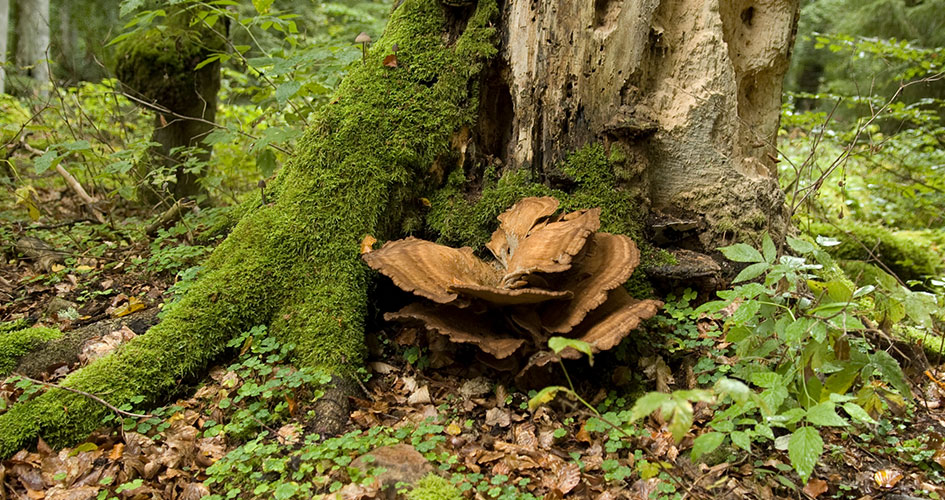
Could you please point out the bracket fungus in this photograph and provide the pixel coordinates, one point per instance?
(553, 275)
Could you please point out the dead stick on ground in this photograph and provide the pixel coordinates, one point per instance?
(171, 215)
(73, 185)
(80, 191)
(93, 397)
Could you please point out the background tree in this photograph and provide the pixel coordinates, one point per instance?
(674, 102)
(162, 69)
(32, 45)
(4, 25)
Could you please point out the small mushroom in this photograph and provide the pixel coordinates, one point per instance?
(364, 39)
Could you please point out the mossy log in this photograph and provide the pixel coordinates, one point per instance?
(294, 263)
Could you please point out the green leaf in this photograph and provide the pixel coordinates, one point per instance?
(82, 145)
(768, 249)
(266, 162)
(706, 443)
(558, 344)
(545, 395)
(646, 404)
(857, 413)
(751, 272)
(262, 6)
(825, 414)
(285, 91)
(48, 160)
(800, 246)
(285, 490)
(128, 6)
(741, 252)
(735, 389)
(805, 448)
(887, 366)
(741, 439)
(680, 417)
(795, 332)
(220, 136)
(766, 380)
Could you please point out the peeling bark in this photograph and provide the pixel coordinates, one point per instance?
(688, 90)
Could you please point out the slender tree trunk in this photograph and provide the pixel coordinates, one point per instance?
(32, 30)
(4, 31)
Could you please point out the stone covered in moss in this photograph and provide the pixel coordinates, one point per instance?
(16, 341)
(906, 254)
(294, 263)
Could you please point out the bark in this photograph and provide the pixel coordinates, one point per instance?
(158, 69)
(33, 41)
(674, 102)
(4, 27)
(688, 90)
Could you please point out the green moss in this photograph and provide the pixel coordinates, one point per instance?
(461, 223)
(294, 264)
(433, 487)
(14, 343)
(909, 255)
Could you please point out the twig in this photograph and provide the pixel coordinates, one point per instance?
(93, 397)
(73, 184)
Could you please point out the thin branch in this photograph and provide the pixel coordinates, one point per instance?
(93, 397)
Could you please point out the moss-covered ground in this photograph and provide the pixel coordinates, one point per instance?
(293, 263)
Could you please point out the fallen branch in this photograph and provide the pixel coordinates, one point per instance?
(170, 216)
(93, 397)
(73, 185)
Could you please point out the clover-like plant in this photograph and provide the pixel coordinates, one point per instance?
(554, 275)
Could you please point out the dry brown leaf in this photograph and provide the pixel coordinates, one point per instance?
(567, 477)
(815, 487)
(498, 417)
(367, 244)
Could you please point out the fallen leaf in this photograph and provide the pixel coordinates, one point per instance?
(887, 478)
(815, 487)
(390, 61)
(367, 244)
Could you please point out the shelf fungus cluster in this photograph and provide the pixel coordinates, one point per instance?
(553, 275)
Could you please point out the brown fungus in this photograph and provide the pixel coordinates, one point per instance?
(553, 275)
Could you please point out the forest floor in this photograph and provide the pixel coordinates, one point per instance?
(244, 431)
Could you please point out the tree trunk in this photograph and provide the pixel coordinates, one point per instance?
(662, 100)
(157, 67)
(688, 91)
(32, 29)
(4, 26)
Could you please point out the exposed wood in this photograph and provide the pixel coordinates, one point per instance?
(687, 90)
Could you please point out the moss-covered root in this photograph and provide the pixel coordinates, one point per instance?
(295, 263)
(16, 343)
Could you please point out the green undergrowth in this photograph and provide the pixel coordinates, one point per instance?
(459, 222)
(911, 255)
(293, 264)
(784, 357)
(16, 340)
